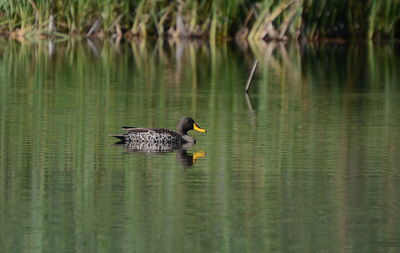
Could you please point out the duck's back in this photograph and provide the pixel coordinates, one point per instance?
(152, 135)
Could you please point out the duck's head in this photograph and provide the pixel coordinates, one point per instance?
(186, 124)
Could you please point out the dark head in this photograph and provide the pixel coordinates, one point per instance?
(185, 124)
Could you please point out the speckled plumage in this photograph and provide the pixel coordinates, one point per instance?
(154, 138)
(153, 135)
(137, 146)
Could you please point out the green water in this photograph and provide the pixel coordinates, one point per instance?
(308, 162)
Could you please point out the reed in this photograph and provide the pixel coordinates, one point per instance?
(253, 20)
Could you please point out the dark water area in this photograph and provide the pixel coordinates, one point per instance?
(307, 162)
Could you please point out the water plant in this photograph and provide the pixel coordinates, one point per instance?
(243, 19)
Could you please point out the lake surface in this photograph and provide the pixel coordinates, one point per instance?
(307, 162)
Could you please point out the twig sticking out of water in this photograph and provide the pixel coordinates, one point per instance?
(253, 70)
(248, 102)
(95, 27)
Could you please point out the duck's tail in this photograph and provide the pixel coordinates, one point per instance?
(121, 138)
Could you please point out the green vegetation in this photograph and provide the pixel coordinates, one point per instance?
(263, 19)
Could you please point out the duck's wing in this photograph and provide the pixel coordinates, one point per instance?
(134, 130)
(141, 130)
(137, 134)
(153, 134)
(133, 133)
(127, 128)
(138, 130)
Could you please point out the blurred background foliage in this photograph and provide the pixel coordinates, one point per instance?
(266, 19)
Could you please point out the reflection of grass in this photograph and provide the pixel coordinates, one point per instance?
(154, 75)
(180, 62)
(262, 19)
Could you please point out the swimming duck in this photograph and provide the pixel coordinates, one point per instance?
(161, 136)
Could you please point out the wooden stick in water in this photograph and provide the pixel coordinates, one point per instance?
(95, 27)
(251, 76)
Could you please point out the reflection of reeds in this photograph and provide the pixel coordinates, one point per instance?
(262, 19)
(181, 60)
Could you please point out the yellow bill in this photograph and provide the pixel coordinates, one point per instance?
(197, 128)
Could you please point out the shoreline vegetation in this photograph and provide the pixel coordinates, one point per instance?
(277, 20)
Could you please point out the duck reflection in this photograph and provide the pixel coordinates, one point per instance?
(186, 160)
(183, 157)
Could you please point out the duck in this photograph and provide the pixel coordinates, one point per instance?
(161, 136)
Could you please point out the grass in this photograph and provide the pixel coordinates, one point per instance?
(263, 19)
